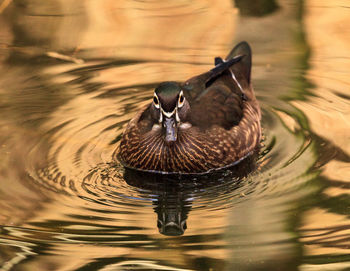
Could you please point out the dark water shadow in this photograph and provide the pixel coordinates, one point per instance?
(174, 195)
(256, 8)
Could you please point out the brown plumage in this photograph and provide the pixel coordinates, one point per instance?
(208, 122)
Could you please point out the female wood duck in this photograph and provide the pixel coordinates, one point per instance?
(208, 122)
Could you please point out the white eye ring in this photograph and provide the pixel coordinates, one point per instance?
(181, 99)
(156, 101)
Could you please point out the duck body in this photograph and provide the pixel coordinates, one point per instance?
(208, 122)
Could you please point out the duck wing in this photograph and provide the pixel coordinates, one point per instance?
(220, 104)
(217, 97)
(195, 86)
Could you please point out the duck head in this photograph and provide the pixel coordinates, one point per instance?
(169, 109)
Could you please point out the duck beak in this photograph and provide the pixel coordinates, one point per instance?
(170, 127)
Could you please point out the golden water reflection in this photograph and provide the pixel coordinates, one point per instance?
(91, 59)
(325, 229)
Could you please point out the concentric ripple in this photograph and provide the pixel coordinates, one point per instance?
(92, 201)
(80, 137)
(73, 73)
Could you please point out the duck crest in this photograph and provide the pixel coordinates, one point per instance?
(167, 93)
(207, 122)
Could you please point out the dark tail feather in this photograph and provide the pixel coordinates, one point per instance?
(222, 66)
(242, 49)
(218, 61)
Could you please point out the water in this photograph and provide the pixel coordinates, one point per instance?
(72, 76)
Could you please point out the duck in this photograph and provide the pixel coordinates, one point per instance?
(208, 122)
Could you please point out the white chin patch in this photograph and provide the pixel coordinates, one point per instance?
(168, 114)
(185, 125)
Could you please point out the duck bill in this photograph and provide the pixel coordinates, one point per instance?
(170, 129)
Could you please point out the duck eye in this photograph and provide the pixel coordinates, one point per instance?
(156, 101)
(181, 99)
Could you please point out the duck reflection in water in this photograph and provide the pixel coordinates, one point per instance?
(172, 210)
(175, 194)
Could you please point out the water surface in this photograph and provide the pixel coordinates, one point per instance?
(73, 74)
